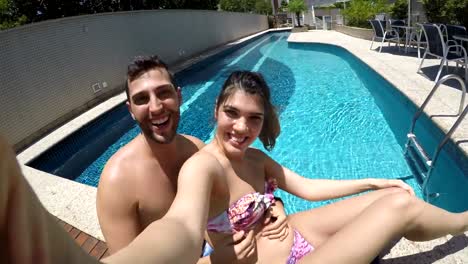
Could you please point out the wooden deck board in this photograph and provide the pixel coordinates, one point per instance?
(89, 244)
(99, 250)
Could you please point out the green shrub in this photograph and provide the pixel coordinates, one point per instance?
(399, 9)
(9, 17)
(360, 11)
(263, 7)
(447, 11)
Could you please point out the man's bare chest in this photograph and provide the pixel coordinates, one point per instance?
(155, 197)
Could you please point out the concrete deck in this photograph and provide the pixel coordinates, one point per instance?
(74, 203)
(400, 68)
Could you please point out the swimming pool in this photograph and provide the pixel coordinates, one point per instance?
(340, 120)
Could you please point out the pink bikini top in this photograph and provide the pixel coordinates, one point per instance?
(245, 212)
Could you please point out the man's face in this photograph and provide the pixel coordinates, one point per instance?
(154, 104)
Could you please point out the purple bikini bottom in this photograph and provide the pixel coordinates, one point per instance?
(299, 249)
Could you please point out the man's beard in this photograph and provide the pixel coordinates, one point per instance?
(167, 137)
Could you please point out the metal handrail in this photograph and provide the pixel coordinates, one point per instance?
(442, 80)
(412, 138)
(461, 114)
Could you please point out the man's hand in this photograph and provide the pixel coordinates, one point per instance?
(239, 247)
(276, 224)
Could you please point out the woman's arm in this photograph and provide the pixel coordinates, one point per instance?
(322, 189)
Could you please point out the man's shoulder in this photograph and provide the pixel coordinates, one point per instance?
(122, 163)
(191, 141)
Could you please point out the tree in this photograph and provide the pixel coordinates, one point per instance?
(284, 5)
(263, 7)
(297, 7)
(399, 9)
(237, 5)
(339, 5)
(230, 5)
(201, 4)
(458, 12)
(98, 6)
(248, 5)
(9, 16)
(446, 11)
(360, 11)
(18, 12)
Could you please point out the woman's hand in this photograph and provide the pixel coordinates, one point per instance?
(237, 248)
(387, 183)
(276, 224)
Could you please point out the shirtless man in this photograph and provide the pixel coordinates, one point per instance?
(139, 182)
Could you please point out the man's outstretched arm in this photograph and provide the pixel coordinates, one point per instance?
(28, 233)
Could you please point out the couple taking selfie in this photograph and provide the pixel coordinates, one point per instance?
(164, 195)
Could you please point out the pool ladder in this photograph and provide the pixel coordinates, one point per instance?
(423, 163)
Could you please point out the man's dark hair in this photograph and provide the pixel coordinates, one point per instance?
(141, 65)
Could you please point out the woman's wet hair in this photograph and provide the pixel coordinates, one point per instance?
(254, 84)
(143, 64)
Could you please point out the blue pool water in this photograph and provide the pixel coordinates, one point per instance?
(339, 120)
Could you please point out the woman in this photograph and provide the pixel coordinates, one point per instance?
(245, 178)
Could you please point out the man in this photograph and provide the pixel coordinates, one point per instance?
(139, 182)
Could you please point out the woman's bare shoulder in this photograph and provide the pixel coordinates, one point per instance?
(256, 155)
(203, 160)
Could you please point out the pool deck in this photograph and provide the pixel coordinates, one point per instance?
(74, 203)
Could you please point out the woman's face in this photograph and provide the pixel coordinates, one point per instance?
(240, 120)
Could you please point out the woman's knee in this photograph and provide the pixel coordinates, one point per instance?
(399, 202)
(392, 190)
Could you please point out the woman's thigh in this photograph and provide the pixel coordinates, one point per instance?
(319, 224)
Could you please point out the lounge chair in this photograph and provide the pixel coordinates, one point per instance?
(385, 35)
(418, 39)
(398, 22)
(437, 47)
(455, 30)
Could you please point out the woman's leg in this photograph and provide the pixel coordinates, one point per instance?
(319, 224)
(390, 217)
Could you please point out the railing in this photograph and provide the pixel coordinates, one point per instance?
(413, 141)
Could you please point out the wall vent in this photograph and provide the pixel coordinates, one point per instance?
(96, 87)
